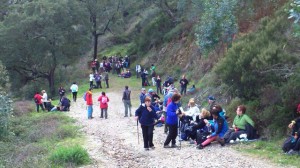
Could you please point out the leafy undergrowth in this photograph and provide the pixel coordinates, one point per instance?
(35, 136)
(270, 150)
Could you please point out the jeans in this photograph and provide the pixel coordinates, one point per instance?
(90, 111)
(106, 81)
(99, 84)
(104, 110)
(158, 90)
(147, 135)
(127, 105)
(172, 135)
(91, 84)
(74, 96)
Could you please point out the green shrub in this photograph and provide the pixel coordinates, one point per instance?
(69, 155)
(67, 131)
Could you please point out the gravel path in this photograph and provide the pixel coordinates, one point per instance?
(114, 143)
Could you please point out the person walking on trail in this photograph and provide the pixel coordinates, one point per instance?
(106, 79)
(74, 90)
(172, 121)
(143, 96)
(91, 79)
(38, 101)
(146, 115)
(183, 84)
(103, 99)
(89, 103)
(127, 101)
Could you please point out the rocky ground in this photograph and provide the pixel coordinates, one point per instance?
(113, 142)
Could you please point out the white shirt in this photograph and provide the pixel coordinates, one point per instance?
(45, 97)
(74, 88)
(91, 77)
(193, 112)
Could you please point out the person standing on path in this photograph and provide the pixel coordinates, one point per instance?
(158, 85)
(38, 101)
(61, 92)
(172, 121)
(183, 84)
(146, 115)
(127, 101)
(91, 79)
(103, 99)
(74, 90)
(89, 103)
(106, 79)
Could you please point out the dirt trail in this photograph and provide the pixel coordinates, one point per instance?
(113, 142)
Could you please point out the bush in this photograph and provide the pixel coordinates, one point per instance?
(67, 131)
(74, 155)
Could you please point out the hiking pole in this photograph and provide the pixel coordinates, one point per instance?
(179, 134)
(137, 128)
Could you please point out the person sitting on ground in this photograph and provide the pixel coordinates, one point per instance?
(193, 111)
(220, 128)
(200, 123)
(127, 74)
(49, 105)
(191, 90)
(239, 125)
(65, 104)
(295, 127)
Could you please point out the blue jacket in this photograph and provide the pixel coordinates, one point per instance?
(171, 114)
(146, 117)
(142, 98)
(220, 127)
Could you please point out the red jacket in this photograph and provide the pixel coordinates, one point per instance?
(39, 98)
(103, 105)
(89, 99)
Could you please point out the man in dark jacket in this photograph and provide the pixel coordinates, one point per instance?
(127, 102)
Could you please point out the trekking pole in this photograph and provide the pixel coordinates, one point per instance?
(179, 134)
(137, 128)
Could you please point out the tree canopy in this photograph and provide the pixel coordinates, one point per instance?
(38, 36)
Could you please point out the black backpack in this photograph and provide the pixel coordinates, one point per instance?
(288, 144)
(201, 136)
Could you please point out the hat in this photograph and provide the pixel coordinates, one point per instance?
(150, 90)
(211, 98)
(143, 89)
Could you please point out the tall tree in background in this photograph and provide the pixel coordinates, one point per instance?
(38, 36)
(102, 14)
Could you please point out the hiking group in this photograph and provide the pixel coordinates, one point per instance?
(199, 127)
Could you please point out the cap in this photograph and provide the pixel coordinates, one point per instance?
(150, 90)
(143, 89)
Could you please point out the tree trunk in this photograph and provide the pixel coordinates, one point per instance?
(95, 45)
(51, 82)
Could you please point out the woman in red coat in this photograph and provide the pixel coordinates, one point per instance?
(103, 99)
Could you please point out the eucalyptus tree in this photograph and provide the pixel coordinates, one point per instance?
(39, 35)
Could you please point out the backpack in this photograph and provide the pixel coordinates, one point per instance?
(36, 100)
(84, 96)
(104, 100)
(288, 144)
(201, 136)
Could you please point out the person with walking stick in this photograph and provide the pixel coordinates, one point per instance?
(146, 114)
(172, 121)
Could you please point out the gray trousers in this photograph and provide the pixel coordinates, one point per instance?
(127, 105)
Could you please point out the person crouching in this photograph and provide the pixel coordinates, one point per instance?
(146, 114)
(220, 128)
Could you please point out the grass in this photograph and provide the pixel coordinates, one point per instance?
(121, 49)
(270, 150)
(35, 136)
